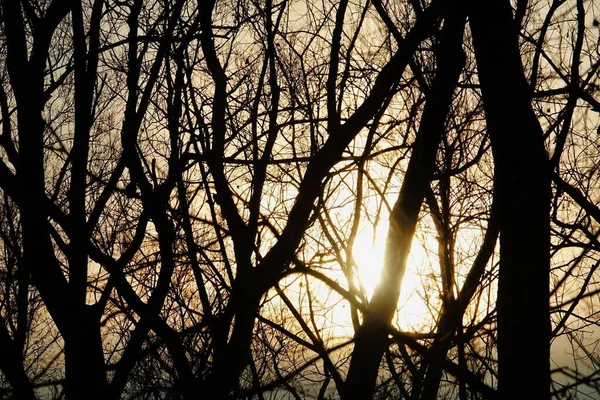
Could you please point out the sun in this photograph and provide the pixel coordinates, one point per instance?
(368, 251)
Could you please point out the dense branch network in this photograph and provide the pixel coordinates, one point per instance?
(193, 195)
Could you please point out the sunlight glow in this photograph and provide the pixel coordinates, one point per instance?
(368, 252)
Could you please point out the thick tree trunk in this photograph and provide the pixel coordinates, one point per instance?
(234, 354)
(522, 187)
(371, 338)
(11, 365)
(84, 358)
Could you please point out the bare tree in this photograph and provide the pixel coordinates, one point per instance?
(185, 186)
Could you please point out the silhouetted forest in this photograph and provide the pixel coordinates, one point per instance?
(193, 194)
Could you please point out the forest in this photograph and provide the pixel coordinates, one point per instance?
(299, 199)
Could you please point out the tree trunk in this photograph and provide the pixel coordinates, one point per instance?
(11, 365)
(522, 187)
(371, 338)
(235, 353)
